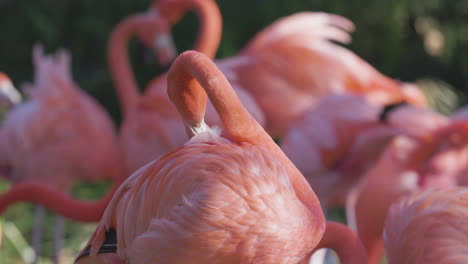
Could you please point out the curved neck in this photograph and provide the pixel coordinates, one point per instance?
(119, 64)
(211, 26)
(209, 35)
(193, 74)
(57, 201)
(344, 242)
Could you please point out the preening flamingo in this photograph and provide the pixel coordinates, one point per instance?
(213, 200)
(292, 63)
(60, 136)
(151, 125)
(333, 144)
(9, 96)
(428, 227)
(437, 160)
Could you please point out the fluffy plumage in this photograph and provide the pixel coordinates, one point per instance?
(428, 227)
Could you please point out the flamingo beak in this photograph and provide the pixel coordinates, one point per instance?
(165, 48)
(9, 96)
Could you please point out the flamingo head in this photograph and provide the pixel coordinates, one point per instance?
(154, 33)
(9, 96)
(171, 10)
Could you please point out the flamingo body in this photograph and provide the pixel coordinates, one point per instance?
(60, 135)
(249, 223)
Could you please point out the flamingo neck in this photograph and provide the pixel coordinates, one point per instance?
(211, 26)
(193, 74)
(57, 201)
(119, 64)
(344, 242)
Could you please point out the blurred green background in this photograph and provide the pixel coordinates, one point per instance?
(419, 40)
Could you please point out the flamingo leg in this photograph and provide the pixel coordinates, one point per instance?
(58, 237)
(38, 229)
(319, 257)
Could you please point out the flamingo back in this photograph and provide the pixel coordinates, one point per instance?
(61, 134)
(209, 201)
(428, 227)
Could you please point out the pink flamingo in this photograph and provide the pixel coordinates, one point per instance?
(58, 137)
(9, 96)
(407, 165)
(213, 200)
(151, 126)
(428, 227)
(343, 135)
(292, 63)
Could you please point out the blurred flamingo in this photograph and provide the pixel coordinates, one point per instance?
(435, 160)
(151, 126)
(428, 227)
(58, 137)
(213, 200)
(334, 143)
(292, 63)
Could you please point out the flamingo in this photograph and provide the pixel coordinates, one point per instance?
(333, 143)
(407, 165)
(292, 63)
(343, 135)
(58, 137)
(213, 200)
(151, 125)
(428, 227)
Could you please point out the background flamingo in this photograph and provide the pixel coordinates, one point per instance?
(204, 217)
(428, 227)
(292, 63)
(58, 137)
(343, 135)
(407, 165)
